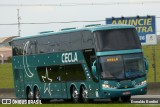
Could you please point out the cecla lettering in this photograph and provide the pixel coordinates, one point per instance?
(69, 57)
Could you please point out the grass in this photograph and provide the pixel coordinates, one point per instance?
(148, 53)
(6, 76)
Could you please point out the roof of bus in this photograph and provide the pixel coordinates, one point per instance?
(90, 28)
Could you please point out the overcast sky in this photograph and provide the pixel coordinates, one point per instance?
(65, 11)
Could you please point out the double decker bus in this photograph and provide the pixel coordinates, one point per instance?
(94, 62)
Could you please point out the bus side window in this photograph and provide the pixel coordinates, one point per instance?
(33, 48)
(74, 72)
(15, 50)
(65, 43)
(54, 45)
(75, 39)
(55, 73)
(30, 49)
(87, 40)
(62, 76)
(42, 45)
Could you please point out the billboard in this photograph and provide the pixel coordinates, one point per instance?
(145, 27)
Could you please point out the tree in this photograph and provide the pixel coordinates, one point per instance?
(9, 59)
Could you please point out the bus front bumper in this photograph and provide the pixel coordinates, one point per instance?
(111, 93)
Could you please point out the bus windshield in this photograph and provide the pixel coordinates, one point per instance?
(117, 39)
(119, 67)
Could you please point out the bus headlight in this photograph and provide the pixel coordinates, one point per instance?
(108, 86)
(141, 83)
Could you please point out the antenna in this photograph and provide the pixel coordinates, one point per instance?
(19, 24)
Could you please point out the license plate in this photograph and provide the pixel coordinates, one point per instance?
(126, 93)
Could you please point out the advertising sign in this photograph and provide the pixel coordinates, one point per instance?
(145, 27)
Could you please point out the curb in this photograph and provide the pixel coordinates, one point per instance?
(153, 85)
(6, 90)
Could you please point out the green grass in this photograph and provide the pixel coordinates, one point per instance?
(148, 53)
(6, 76)
(83, 105)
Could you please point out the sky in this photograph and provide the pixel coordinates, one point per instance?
(44, 11)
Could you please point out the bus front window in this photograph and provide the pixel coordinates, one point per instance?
(117, 39)
(121, 67)
(134, 68)
(112, 67)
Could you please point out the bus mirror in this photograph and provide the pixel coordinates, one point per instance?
(94, 69)
(146, 64)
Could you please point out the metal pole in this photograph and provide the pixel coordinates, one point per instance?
(2, 58)
(19, 27)
(154, 63)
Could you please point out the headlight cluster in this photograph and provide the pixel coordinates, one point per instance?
(141, 83)
(108, 86)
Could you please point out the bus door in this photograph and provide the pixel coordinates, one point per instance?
(90, 58)
(95, 76)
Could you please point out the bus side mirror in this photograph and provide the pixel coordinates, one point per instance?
(94, 70)
(146, 64)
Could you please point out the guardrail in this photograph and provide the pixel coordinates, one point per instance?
(154, 85)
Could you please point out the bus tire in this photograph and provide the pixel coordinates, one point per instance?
(74, 95)
(37, 95)
(84, 95)
(29, 94)
(126, 98)
(115, 99)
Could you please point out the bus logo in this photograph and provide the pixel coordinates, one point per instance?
(69, 57)
(25, 60)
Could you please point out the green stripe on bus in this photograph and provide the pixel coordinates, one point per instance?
(118, 52)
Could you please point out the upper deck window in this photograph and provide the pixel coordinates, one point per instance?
(117, 39)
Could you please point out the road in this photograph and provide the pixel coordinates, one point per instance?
(152, 94)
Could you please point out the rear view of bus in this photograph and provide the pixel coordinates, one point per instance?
(120, 63)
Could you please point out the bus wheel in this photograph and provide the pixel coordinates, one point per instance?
(29, 94)
(115, 99)
(37, 94)
(126, 98)
(84, 95)
(75, 95)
